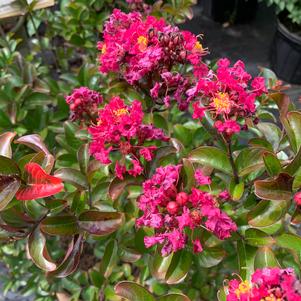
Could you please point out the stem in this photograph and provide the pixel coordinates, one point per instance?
(90, 196)
(230, 156)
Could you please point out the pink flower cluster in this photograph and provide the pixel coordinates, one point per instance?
(229, 94)
(83, 104)
(146, 52)
(170, 211)
(268, 284)
(120, 131)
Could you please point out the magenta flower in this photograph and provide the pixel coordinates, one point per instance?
(120, 131)
(266, 284)
(201, 179)
(170, 212)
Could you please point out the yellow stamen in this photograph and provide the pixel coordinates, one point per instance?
(271, 297)
(120, 112)
(243, 288)
(142, 42)
(198, 47)
(222, 103)
(104, 49)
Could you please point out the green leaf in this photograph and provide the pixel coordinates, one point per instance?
(100, 223)
(267, 213)
(265, 258)
(8, 188)
(5, 144)
(109, 259)
(189, 174)
(83, 157)
(294, 120)
(237, 190)
(70, 131)
(211, 257)
(272, 164)
(249, 160)
(118, 186)
(158, 264)
(271, 132)
(71, 261)
(133, 291)
(60, 225)
(277, 189)
(38, 252)
(173, 297)
(257, 238)
(8, 167)
(72, 176)
(179, 267)
(183, 134)
(246, 256)
(211, 156)
(289, 241)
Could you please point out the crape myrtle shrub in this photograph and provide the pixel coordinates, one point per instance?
(172, 179)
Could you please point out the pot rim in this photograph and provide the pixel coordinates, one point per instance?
(288, 34)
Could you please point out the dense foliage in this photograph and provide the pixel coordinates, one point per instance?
(148, 175)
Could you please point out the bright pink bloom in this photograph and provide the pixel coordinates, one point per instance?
(229, 94)
(229, 127)
(178, 211)
(266, 284)
(201, 179)
(197, 247)
(120, 130)
(83, 104)
(225, 195)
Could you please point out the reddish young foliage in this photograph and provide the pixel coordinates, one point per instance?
(38, 184)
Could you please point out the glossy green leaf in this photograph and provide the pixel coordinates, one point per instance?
(83, 157)
(118, 186)
(109, 259)
(133, 291)
(159, 264)
(257, 238)
(179, 267)
(189, 174)
(272, 164)
(60, 225)
(265, 258)
(8, 188)
(211, 156)
(277, 189)
(249, 160)
(246, 255)
(38, 252)
(5, 144)
(8, 167)
(237, 190)
(72, 176)
(267, 213)
(211, 257)
(294, 120)
(173, 297)
(100, 223)
(289, 241)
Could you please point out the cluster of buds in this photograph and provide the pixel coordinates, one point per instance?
(170, 211)
(83, 104)
(139, 5)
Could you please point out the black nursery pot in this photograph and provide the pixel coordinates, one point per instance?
(286, 55)
(234, 11)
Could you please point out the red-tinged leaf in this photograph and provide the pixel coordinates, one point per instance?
(133, 291)
(8, 167)
(34, 142)
(72, 176)
(38, 252)
(71, 260)
(39, 184)
(5, 141)
(60, 225)
(277, 189)
(8, 188)
(118, 186)
(100, 223)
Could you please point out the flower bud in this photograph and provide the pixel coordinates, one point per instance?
(182, 198)
(172, 207)
(297, 198)
(183, 54)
